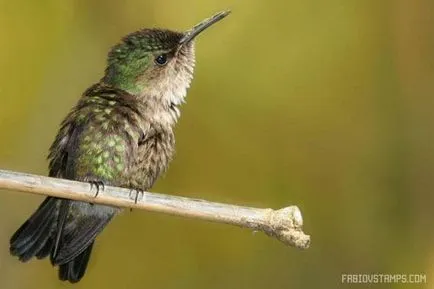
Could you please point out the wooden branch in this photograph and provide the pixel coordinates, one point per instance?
(284, 224)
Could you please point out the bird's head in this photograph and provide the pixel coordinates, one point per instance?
(156, 63)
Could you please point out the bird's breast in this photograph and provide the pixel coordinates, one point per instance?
(154, 156)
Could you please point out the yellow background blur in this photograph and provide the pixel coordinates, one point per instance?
(323, 104)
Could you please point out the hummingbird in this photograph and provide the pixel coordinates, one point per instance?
(120, 133)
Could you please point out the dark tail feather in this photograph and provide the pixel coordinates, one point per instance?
(74, 270)
(69, 242)
(46, 250)
(32, 238)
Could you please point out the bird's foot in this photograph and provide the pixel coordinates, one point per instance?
(99, 186)
(136, 197)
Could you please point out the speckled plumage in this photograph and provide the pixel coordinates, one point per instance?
(120, 133)
(113, 137)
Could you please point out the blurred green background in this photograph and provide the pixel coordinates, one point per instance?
(323, 104)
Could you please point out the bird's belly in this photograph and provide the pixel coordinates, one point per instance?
(153, 160)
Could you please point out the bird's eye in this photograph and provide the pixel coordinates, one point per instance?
(161, 59)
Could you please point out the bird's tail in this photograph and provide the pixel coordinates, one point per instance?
(69, 242)
(35, 237)
(74, 270)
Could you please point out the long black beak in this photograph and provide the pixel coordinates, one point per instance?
(196, 30)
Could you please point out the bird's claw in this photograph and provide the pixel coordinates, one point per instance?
(99, 185)
(136, 197)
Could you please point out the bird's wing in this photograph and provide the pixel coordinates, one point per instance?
(97, 142)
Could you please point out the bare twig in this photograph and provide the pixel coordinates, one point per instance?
(284, 224)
